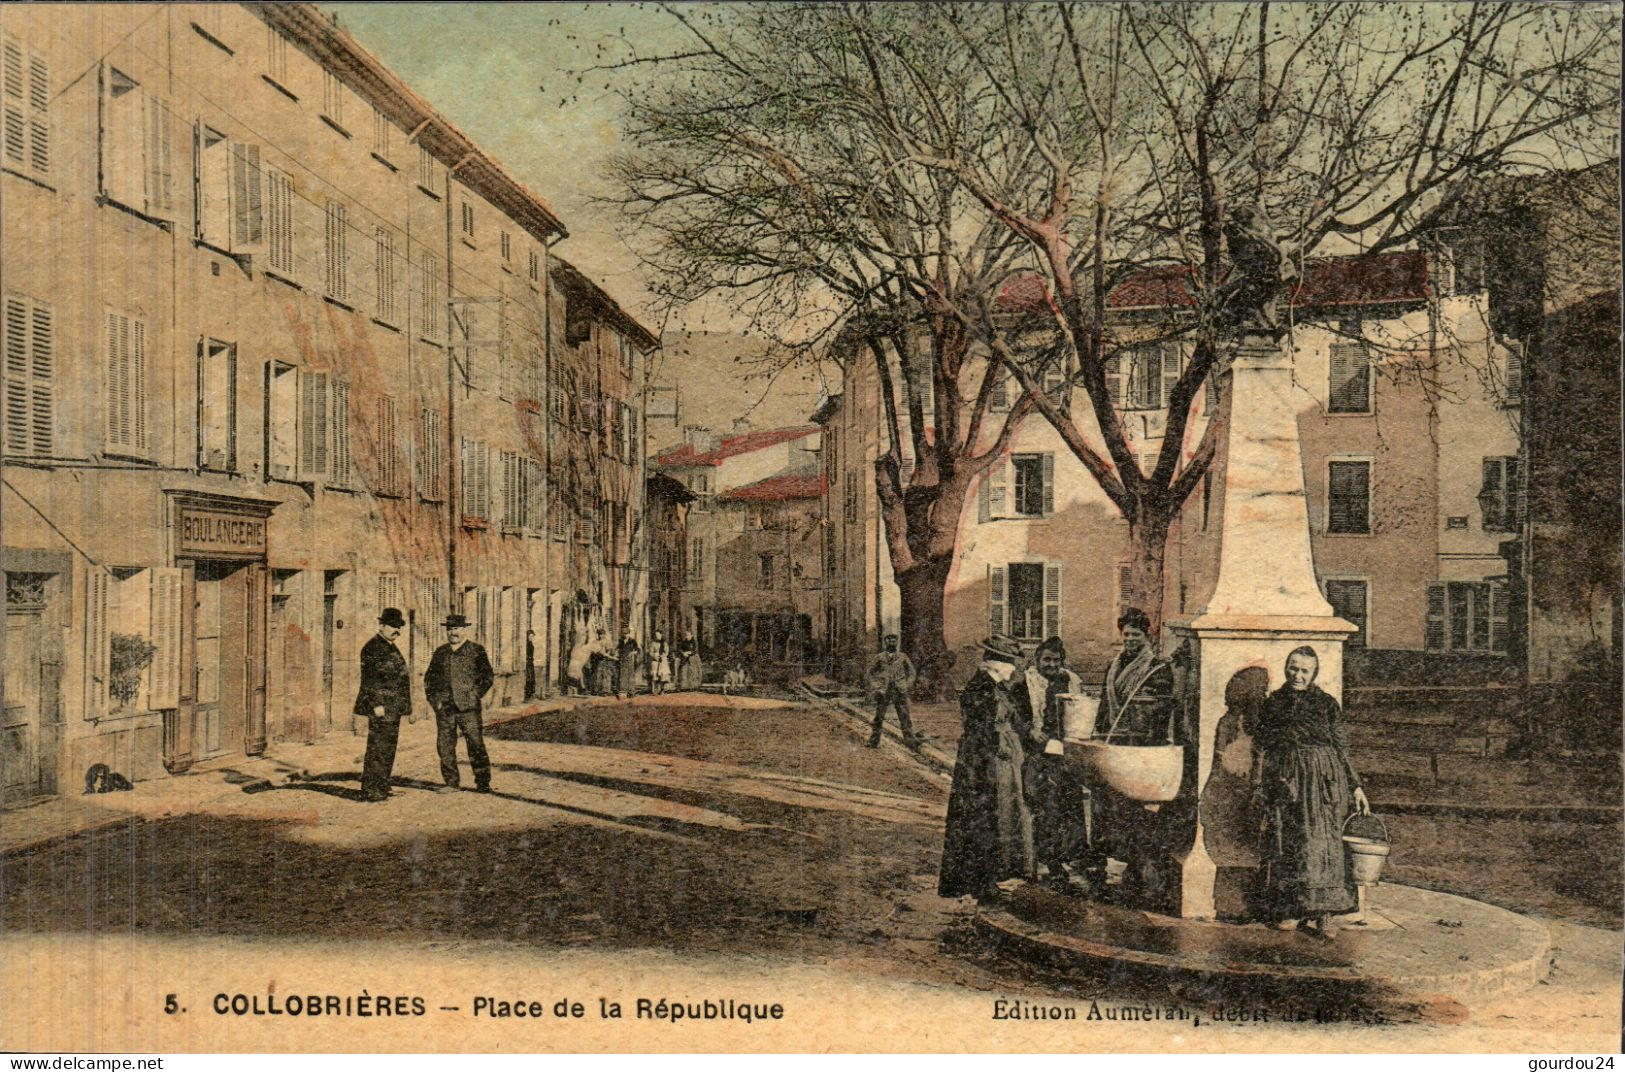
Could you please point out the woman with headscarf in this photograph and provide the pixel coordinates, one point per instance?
(689, 669)
(1306, 788)
(990, 829)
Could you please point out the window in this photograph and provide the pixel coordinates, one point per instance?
(429, 297)
(333, 99)
(1348, 497)
(384, 274)
(281, 420)
(216, 405)
(533, 477)
(1000, 403)
(391, 480)
(696, 556)
(231, 209)
(535, 270)
(313, 425)
(429, 172)
(336, 256)
(30, 377)
(1512, 371)
(26, 101)
(276, 59)
(1468, 616)
(279, 225)
(1152, 371)
(431, 455)
(764, 571)
(1501, 495)
(1350, 388)
(476, 479)
(389, 593)
(340, 474)
(507, 248)
(383, 135)
(1022, 485)
(1024, 600)
(126, 383)
(628, 352)
(468, 221)
(1349, 600)
(137, 148)
(511, 509)
(305, 427)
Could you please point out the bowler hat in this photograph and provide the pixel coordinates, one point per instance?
(1002, 648)
(392, 616)
(456, 621)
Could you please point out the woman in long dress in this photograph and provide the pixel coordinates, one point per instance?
(689, 668)
(990, 830)
(659, 660)
(1306, 788)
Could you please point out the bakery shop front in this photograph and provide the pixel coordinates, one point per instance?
(219, 549)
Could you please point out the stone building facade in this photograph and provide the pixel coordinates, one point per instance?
(279, 340)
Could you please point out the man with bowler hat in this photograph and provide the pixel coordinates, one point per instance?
(458, 677)
(384, 699)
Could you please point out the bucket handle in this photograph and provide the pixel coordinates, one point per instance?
(1386, 840)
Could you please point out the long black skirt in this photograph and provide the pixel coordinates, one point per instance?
(1307, 798)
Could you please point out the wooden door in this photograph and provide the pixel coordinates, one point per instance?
(19, 727)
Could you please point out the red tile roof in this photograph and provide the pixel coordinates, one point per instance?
(685, 456)
(1356, 280)
(779, 489)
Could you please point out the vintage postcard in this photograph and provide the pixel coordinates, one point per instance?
(1070, 527)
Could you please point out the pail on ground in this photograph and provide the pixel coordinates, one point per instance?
(1367, 852)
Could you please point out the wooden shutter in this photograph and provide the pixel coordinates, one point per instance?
(313, 424)
(1210, 391)
(1349, 390)
(15, 104)
(1114, 380)
(1349, 497)
(998, 489)
(1125, 586)
(1493, 492)
(1514, 370)
(30, 377)
(96, 644)
(1052, 600)
(18, 420)
(431, 455)
(159, 174)
(998, 610)
(512, 500)
(163, 685)
(39, 118)
(1500, 605)
(123, 134)
(247, 199)
(341, 433)
(335, 252)
(279, 221)
(1001, 390)
(1435, 631)
(1172, 359)
(384, 274)
(126, 382)
(1048, 469)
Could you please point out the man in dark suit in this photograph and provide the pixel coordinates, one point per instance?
(891, 676)
(457, 680)
(384, 699)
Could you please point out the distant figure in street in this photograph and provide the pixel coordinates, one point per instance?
(690, 669)
(575, 670)
(385, 697)
(457, 680)
(601, 666)
(627, 679)
(1306, 789)
(659, 663)
(891, 676)
(1053, 791)
(990, 831)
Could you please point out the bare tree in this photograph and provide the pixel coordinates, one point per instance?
(1214, 149)
(766, 163)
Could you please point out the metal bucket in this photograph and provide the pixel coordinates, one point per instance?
(1078, 714)
(1366, 855)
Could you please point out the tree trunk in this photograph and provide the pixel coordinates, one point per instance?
(922, 592)
(1148, 551)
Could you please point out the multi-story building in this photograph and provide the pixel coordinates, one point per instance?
(1400, 419)
(278, 346)
(667, 518)
(754, 570)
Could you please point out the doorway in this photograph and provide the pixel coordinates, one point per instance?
(221, 660)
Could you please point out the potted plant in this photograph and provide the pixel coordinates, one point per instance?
(129, 658)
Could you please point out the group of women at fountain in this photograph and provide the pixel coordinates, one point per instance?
(1018, 810)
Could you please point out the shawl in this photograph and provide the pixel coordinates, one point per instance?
(1124, 681)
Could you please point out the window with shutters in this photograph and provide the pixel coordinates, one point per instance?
(506, 247)
(389, 594)
(1145, 375)
(696, 557)
(336, 253)
(1002, 389)
(217, 405)
(476, 469)
(314, 426)
(279, 222)
(1349, 390)
(129, 613)
(510, 506)
(383, 137)
(388, 449)
(1348, 497)
(281, 421)
(333, 93)
(430, 297)
(1350, 600)
(1500, 495)
(340, 476)
(998, 601)
(1026, 598)
(137, 147)
(1468, 616)
(534, 479)
(126, 388)
(1512, 372)
(383, 271)
(1033, 485)
(26, 104)
(1173, 363)
(1123, 593)
(431, 456)
(468, 221)
(277, 49)
(30, 378)
(535, 268)
(231, 194)
(430, 172)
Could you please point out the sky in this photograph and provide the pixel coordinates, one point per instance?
(506, 74)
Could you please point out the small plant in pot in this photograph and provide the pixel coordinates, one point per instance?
(129, 657)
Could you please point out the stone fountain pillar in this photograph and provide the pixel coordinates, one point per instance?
(1266, 602)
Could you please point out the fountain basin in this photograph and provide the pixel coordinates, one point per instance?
(1150, 773)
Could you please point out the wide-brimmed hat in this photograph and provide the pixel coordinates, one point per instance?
(456, 621)
(1003, 648)
(392, 616)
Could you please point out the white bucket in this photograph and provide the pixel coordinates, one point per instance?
(1078, 715)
